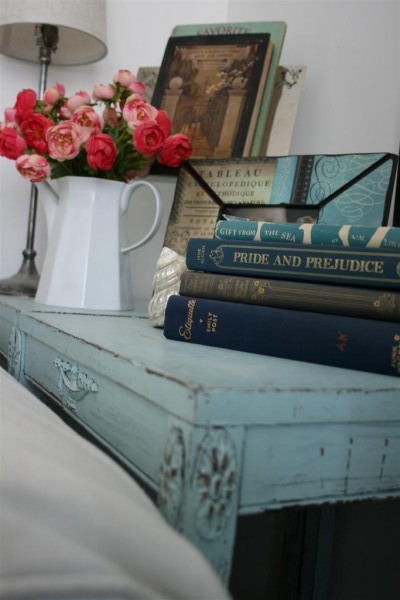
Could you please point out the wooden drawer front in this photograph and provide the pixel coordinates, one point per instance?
(127, 424)
(320, 463)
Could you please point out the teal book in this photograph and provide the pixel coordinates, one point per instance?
(384, 238)
(340, 341)
(277, 32)
(353, 301)
(325, 264)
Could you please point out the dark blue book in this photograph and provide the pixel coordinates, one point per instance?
(335, 340)
(307, 262)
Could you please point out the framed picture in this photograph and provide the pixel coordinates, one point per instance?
(344, 189)
(148, 76)
(212, 88)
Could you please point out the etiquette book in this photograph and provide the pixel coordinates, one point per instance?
(335, 340)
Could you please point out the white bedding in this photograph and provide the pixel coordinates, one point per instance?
(74, 525)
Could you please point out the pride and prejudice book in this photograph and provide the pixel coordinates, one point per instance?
(307, 262)
(340, 341)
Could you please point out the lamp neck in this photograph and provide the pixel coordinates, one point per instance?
(47, 40)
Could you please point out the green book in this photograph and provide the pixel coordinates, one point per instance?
(350, 300)
(277, 31)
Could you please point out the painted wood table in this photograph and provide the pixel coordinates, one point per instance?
(214, 433)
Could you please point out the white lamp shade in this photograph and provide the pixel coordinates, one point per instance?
(81, 27)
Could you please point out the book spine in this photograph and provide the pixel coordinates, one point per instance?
(352, 301)
(385, 238)
(341, 341)
(308, 262)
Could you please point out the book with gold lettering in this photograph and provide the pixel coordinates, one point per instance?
(354, 301)
(334, 340)
(308, 262)
(306, 232)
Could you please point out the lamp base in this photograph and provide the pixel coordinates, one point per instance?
(25, 281)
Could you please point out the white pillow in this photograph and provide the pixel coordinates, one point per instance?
(74, 525)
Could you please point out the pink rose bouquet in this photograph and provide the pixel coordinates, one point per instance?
(112, 134)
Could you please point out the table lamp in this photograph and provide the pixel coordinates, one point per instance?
(63, 33)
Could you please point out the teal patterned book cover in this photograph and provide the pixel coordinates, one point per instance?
(358, 181)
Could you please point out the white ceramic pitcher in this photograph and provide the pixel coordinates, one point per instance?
(87, 259)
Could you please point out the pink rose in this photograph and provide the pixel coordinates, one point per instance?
(9, 114)
(64, 141)
(77, 100)
(124, 77)
(136, 87)
(24, 105)
(34, 129)
(12, 145)
(136, 111)
(54, 94)
(64, 111)
(88, 121)
(103, 92)
(101, 151)
(33, 167)
(148, 138)
(175, 151)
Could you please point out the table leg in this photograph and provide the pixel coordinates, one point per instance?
(199, 489)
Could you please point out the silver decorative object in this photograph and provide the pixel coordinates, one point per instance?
(166, 282)
(45, 31)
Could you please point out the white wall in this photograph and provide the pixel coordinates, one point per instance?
(350, 102)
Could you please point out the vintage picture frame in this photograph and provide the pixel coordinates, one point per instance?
(212, 88)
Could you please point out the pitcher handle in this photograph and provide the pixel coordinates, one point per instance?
(126, 196)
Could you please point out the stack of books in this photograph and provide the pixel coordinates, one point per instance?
(311, 292)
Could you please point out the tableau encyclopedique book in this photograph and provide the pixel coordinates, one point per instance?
(347, 189)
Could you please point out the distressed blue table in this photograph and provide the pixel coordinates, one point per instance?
(214, 433)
